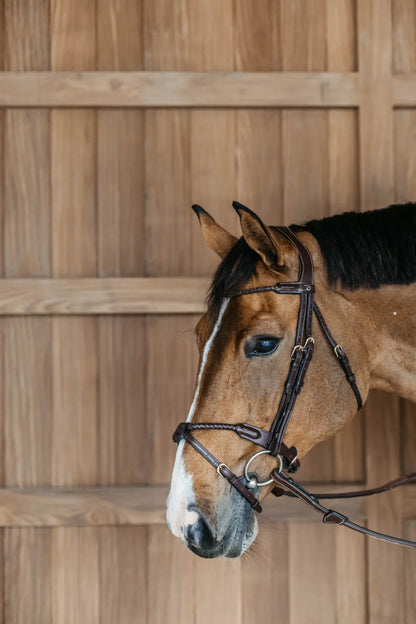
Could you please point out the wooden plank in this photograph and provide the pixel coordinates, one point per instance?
(26, 35)
(174, 580)
(169, 384)
(385, 572)
(258, 153)
(410, 577)
(27, 401)
(73, 35)
(265, 583)
(212, 180)
(179, 89)
(122, 440)
(220, 578)
(27, 194)
(255, 22)
(127, 295)
(303, 35)
(119, 35)
(75, 576)
(312, 567)
(28, 575)
(74, 439)
(145, 505)
(122, 569)
(404, 35)
(120, 193)
(73, 192)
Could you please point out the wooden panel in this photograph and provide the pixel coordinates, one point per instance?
(305, 154)
(172, 89)
(123, 565)
(182, 35)
(75, 577)
(27, 587)
(120, 193)
(74, 442)
(26, 35)
(410, 578)
(168, 214)
(259, 162)
(174, 580)
(306, 603)
(265, 583)
(123, 440)
(169, 387)
(73, 35)
(303, 35)
(404, 35)
(212, 180)
(220, 578)
(73, 193)
(408, 436)
(102, 296)
(405, 154)
(27, 401)
(27, 194)
(119, 35)
(254, 21)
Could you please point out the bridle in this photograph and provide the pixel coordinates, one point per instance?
(271, 441)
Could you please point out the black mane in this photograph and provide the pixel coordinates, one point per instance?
(361, 250)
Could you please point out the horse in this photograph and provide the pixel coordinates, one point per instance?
(360, 269)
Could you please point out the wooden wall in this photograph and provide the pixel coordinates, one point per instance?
(115, 116)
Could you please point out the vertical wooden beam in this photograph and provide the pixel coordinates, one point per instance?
(385, 565)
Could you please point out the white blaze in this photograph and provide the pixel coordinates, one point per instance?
(181, 492)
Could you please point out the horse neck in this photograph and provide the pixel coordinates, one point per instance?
(384, 320)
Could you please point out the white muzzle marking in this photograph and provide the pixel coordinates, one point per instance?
(181, 494)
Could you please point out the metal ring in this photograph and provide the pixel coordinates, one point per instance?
(309, 340)
(261, 483)
(218, 469)
(297, 347)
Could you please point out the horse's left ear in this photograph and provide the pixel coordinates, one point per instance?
(272, 247)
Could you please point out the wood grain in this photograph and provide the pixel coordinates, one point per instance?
(120, 43)
(26, 35)
(75, 575)
(27, 202)
(123, 565)
(145, 505)
(27, 557)
(102, 296)
(178, 89)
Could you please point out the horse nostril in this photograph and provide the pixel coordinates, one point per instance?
(199, 535)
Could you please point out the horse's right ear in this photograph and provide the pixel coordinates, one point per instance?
(217, 239)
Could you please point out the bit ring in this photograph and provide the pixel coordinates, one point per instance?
(260, 483)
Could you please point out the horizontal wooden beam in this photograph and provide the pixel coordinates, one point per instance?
(179, 89)
(141, 295)
(83, 506)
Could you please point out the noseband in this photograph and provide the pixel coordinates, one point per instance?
(271, 441)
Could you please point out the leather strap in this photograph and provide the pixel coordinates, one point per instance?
(330, 516)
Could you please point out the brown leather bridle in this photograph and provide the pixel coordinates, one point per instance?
(272, 441)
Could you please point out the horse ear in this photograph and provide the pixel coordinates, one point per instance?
(217, 239)
(271, 246)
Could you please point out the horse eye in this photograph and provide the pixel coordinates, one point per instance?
(261, 345)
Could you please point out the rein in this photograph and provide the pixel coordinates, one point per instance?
(271, 441)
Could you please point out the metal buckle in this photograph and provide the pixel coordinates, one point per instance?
(218, 469)
(300, 347)
(337, 350)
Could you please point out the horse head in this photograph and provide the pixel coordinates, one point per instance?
(246, 345)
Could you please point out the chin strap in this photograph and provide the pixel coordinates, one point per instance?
(289, 487)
